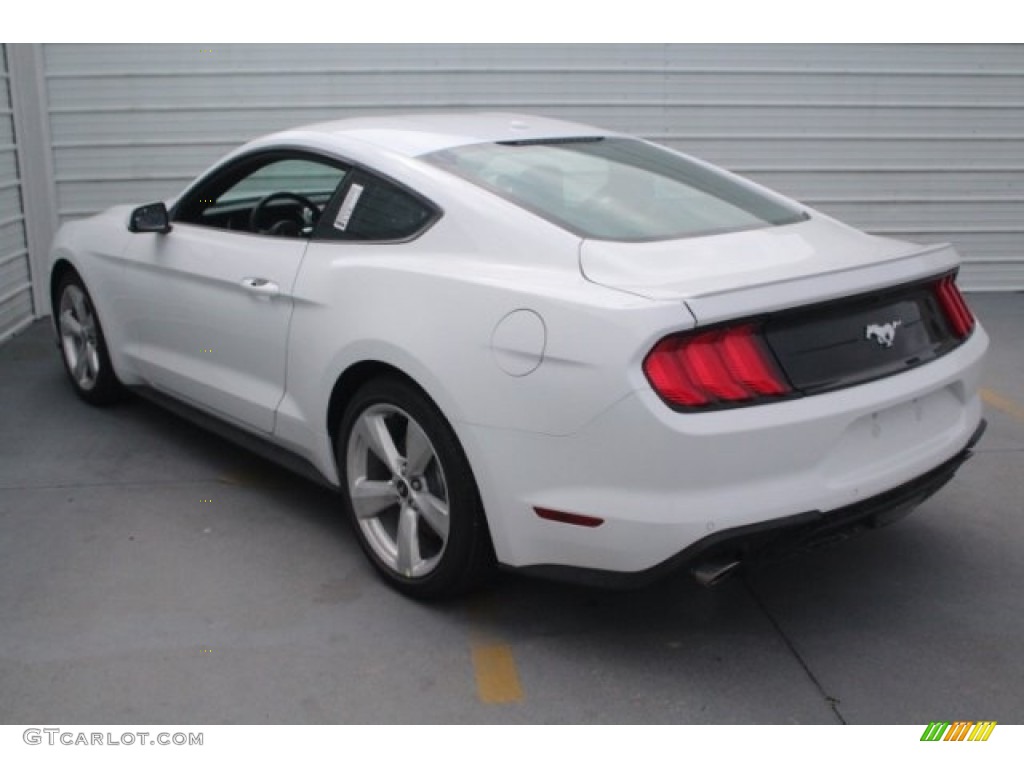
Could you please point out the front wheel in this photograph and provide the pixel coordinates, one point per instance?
(410, 494)
(83, 346)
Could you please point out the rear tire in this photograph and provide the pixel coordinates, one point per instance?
(410, 494)
(82, 344)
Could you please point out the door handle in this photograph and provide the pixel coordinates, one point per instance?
(261, 286)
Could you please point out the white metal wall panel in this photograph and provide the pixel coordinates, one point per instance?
(16, 309)
(922, 142)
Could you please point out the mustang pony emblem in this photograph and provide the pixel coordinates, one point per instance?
(883, 334)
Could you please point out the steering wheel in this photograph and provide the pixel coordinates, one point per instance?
(261, 206)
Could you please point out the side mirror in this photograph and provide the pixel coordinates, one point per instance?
(150, 218)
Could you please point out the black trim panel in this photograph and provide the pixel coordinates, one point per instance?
(827, 346)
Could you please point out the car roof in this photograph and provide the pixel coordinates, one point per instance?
(419, 134)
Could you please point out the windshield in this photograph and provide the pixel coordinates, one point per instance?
(614, 188)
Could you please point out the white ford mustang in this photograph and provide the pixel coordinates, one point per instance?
(509, 339)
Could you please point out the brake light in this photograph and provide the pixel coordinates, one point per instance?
(959, 315)
(726, 366)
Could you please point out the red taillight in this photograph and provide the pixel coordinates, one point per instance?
(724, 366)
(748, 361)
(961, 321)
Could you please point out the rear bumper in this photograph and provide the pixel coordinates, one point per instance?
(775, 539)
(667, 483)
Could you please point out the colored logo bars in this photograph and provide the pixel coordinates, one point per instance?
(961, 730)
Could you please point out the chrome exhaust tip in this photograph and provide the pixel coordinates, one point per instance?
(714, 571)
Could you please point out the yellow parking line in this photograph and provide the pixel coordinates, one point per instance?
(497, 681)
(1003, 403)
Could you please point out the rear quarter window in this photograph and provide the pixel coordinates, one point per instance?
(371, 209)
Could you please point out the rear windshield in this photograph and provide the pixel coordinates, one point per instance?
(615, 189)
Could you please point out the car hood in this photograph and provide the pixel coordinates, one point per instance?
(723, 276)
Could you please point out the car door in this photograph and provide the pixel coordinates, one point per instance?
(211, 300)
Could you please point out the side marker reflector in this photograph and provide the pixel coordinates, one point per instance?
(568, 517)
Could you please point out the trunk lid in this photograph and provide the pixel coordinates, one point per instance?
(722, 277)
(835, 307)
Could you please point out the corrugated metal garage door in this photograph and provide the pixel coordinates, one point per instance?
(920, 142)
(15, 278)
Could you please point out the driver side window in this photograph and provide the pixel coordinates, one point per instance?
(276, 196)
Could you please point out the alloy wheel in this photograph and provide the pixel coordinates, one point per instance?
(398, 490)
(79, 337)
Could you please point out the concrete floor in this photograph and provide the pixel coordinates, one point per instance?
(151, 573)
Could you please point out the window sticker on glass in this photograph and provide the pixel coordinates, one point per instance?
(347, 206)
